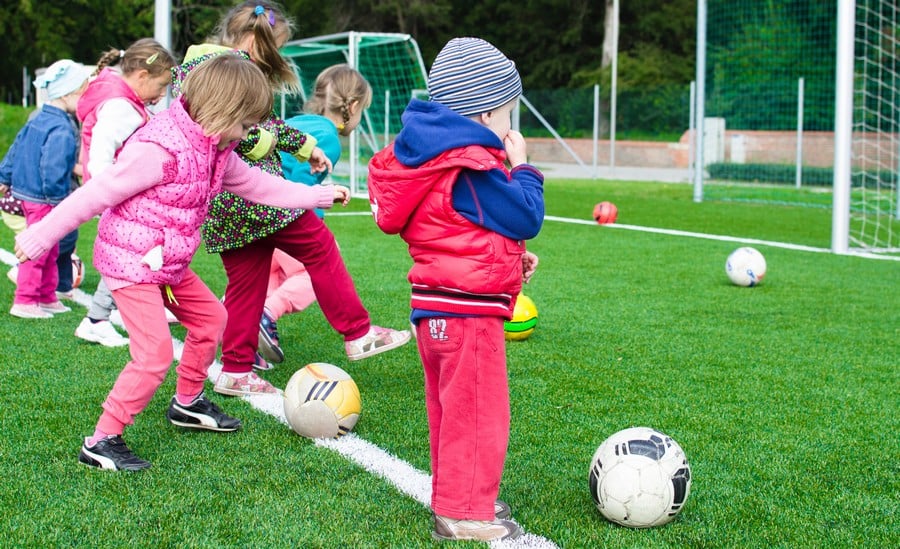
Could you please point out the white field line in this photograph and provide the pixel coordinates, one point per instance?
(674, 232)
(370, 457)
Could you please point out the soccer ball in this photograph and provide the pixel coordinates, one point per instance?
(321, 401)
(524, 320)
(746, 266)
(639, 478)
(77, 271)
(605, 212)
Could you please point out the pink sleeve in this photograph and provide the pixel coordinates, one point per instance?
(138, 167)
(263, 188)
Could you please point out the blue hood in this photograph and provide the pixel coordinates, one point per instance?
(430, 128)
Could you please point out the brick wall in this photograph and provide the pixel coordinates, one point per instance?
(759, 147)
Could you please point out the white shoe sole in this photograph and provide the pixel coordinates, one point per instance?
(382, 349)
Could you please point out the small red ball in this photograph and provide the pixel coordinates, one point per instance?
(605, 212)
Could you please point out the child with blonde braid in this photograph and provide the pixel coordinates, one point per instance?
(113, 107)
(340, 95)
(153, 200)
(245, 234)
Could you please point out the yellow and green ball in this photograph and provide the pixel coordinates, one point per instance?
(524, 320)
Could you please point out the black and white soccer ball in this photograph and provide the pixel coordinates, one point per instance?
(639, 478)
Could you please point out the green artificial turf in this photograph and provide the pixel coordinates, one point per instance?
(783, 396)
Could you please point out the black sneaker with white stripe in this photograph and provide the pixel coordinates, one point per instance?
(201, 414)
(113, 454)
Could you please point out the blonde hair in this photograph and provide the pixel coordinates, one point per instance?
(145, 54)
(267, 23)
(336, 88)
(225, 90)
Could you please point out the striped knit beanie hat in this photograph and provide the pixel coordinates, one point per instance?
(470, 77)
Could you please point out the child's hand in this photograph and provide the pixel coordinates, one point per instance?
(516, 151)
(3, 188)
(318, 162)
(529, 265)
(341, 194)
(20, 255)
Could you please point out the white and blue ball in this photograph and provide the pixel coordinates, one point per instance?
(746, 267)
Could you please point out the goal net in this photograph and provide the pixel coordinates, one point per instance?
(874, 201)
(393, 66)
(772, 110)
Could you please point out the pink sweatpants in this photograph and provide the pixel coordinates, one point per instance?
(143, 310)
(290, 286)
(37, 278)
(309, 241)
(467, 399)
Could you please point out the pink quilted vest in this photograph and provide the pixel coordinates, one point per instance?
(168, 214)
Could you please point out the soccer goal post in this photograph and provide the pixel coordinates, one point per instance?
(393, 66)
(797, 104)
(866, 214)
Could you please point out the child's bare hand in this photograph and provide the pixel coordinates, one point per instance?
(318, 162)
(3, 188)
(516, 150)
(20, 255)
(529, 265)
(341, 194)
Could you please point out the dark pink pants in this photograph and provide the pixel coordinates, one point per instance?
(309, 241)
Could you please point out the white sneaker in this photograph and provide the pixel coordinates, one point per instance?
(378, 340)
(56, 307)
(30, 310)
(102, 332)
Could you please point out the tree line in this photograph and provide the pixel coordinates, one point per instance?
(555, 43)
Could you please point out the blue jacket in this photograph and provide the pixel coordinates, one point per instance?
(327, 139)
(38, 166)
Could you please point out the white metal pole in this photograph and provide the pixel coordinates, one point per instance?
(692, 131)
(353, 45)
(799, 174)
(613, 89)
(596, 127)
(387, 117)
(162, 31)
(700, 98)
(843, 126)
(25, 89)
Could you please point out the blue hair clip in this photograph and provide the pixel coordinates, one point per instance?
(259, 10)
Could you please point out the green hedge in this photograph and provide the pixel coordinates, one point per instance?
(785, 173)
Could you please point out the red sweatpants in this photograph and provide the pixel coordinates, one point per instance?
(467, 399)
(308, 240)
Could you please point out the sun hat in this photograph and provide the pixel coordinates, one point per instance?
(62, 78)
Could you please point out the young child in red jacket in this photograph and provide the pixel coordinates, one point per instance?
(444, 186)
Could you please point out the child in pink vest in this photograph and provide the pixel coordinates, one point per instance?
(113, 107)
(153, 200)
